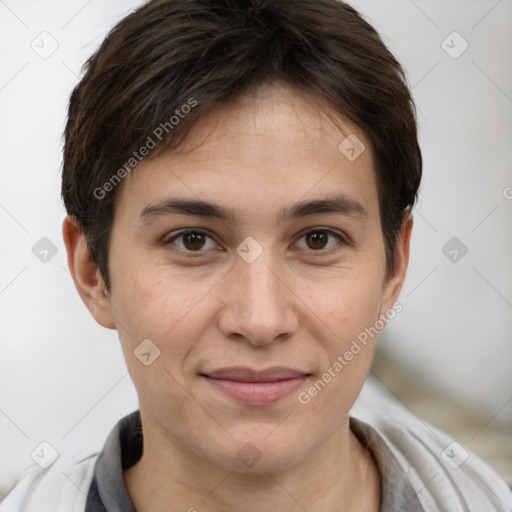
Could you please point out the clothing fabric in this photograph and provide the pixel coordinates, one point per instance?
(422, 469)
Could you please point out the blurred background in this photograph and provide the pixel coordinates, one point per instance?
(447, 356)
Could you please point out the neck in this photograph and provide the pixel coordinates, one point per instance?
(339, 475)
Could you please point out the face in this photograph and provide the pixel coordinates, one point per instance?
(257, 246)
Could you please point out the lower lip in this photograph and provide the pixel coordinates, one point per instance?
(257, 393)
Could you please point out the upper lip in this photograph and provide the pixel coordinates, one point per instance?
(244, 374)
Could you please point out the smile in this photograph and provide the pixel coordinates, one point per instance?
(256, 387)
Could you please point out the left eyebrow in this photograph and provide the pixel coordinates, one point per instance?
(339, 203)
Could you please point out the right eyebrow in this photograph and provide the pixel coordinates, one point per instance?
(173, 206)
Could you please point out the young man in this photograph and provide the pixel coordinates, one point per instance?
(239, 178)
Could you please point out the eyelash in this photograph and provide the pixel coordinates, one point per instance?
(343, 239)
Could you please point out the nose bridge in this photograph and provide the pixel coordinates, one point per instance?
(258, 305)
(259, 285)
(260, 282)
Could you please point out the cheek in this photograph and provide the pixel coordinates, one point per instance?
(167, 307)
(146, 300)
(349, 305)
(349, 346)
(350, 310)
(157, 329)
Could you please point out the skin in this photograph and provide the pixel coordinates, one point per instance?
(296, 305)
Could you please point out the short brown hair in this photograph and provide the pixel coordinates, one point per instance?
(171, 53)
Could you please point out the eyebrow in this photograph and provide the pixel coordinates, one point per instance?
(339, 203)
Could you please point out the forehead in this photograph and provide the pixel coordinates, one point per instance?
(258, 152)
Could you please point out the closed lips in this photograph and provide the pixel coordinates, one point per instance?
(244, 374)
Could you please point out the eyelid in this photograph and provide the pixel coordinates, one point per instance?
(344, 240)
(167, 240)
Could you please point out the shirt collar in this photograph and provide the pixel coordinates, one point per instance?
(124, 447)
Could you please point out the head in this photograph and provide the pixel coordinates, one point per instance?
(282, 135)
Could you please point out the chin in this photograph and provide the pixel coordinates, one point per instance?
(258, 454)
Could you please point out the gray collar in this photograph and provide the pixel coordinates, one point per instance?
(124, 446)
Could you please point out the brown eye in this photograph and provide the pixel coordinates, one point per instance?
(317, 239)
(322, 241)
(192, 241)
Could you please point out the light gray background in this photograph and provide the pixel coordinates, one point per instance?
(63, 378)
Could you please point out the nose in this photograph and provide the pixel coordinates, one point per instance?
(257, 303)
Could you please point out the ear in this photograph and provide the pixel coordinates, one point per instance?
(395, 279)
(87, 278)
